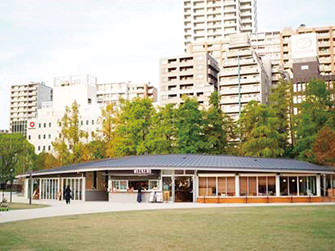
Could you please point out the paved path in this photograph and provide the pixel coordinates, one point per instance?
(59, 208)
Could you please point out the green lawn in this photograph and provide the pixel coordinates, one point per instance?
(258, 228)
(18, 206)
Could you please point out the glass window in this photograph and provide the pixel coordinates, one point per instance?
(211, 190)
(311, 185)
(293, 187)
(302, 185)
(179, 172)
(243, 186)
(231, 186)
(202, 186)
(189, 172)
(283, 186)
(153, 184)
(115, 185)
(222, 186)
(39, 136)
(262, 186)
(252, 190)
(49, 124)
(123, 184)
(86, 122)
(167, 172)
(272, 186)
(92, 121)
(45, 125)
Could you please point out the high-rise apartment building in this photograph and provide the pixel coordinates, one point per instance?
(194, 75)
(244, 77)
(213, 20)
(111, 92)
(24, 101)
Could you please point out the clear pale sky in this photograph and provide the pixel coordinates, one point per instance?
(114, 40)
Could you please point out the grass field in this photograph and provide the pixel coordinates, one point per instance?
(18, 206)
(258, 228)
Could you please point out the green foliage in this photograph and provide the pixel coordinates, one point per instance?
(69, 146)
(324, 147)
(260, 136)
(45, 161)
(163, 133)
(134, 125)
(316, 111)
(215, 138)
(189, 124)
(16, 156)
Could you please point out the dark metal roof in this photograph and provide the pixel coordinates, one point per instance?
(192, 161)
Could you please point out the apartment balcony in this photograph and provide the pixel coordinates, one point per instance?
(235, 100)
(243, 89)
(231, 108)
(227, 82)
(233, 54)
(234, 71)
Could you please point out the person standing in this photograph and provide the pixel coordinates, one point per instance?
(67, 195)
(139, 193)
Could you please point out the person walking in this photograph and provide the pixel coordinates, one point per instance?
(139, 193)
(67, 195)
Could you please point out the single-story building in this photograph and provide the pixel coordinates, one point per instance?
(187, 178)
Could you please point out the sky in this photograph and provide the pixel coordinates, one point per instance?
(113, 40)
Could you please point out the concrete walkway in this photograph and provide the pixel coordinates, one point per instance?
(59, 208)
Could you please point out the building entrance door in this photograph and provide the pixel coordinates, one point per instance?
(183, 189)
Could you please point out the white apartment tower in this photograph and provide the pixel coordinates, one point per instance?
(244, 77)
(25, 99)
(212, 20)
(193, 75)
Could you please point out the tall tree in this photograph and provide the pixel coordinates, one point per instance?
(214, 128)
(262, 137)
(16, 156)
(69, 146)
(315, 112)
(324, 147)
(281, 102)
(133, 129)
(46, 161)
(189, 123)
(163, 133)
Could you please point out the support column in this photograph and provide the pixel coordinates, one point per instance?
(26, 188)
(324, 185)
(40, 189)
(277, 185)
(195, 188)
(318, 185)
(83, 194)
(237, 185)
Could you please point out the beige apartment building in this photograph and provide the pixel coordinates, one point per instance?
(25, 99)
(194, 75)
(244, 77)
(111, 92)
(213, 20)
(325, 43)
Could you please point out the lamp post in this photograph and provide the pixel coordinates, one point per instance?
(11, 184)
(31, 188)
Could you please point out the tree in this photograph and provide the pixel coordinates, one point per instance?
(133, 128)
(189, 124)
(324, 147)
(16, 155)
(281, 102)
(69, 146)
(163, 133)
(316, 111)
(262, 137)
(214, 129)
(46, 161)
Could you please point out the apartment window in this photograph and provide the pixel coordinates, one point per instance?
(39, 148)
(45, 125)
(92, 121)
(29, 137)
(44, 137)
(39, 125)
(49, 136)
(82, 122)
(87, 122)
(39, 136)
(43, 148)
(49, 124)
(49, 148)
